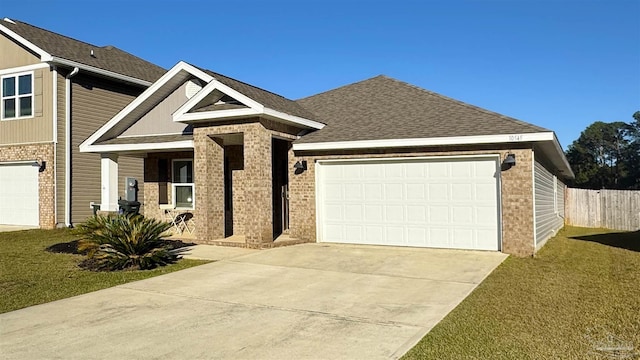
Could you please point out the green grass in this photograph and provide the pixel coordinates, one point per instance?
(29, 275)
(580, 291)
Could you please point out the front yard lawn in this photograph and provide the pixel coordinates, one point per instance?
(579, 298)
(29, 275)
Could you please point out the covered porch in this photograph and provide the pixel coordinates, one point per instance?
(223, 185)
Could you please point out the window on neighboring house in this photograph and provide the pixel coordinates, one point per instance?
(17, 96)
(182, 185)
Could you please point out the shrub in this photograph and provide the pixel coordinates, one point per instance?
(117, 242)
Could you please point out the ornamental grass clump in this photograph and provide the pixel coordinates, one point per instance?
(118, 242)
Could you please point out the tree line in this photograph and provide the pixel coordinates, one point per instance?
(607, 156)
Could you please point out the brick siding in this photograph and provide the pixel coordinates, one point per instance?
(38, 152)
(516, 194)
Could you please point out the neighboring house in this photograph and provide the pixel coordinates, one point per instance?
(376, 162)
(55, 92)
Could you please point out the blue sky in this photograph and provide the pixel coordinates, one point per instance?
(558, 64)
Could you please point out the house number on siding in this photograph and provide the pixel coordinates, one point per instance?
(515, 137)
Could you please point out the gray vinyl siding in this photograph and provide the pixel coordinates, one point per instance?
(60, 160)
(94, 101)
(549, 204)
(159, 121)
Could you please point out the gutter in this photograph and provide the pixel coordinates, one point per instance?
(93, 69)
(67, 147)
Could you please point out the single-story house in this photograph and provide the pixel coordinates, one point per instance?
(377, 162)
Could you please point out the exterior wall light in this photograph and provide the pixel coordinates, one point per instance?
(509, 162)
(300, 166)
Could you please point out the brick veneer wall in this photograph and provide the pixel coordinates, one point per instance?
(251, 179)
(516, 194)
(37, 152)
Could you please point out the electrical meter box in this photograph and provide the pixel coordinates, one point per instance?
(131, 190)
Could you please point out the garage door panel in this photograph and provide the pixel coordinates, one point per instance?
(19, 198)
(417, 202)
(462, 215)
(393, 192)
(462, 192)
(438, 214)
(416, 214)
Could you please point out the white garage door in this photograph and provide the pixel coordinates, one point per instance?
(450, 203)
(19, 194)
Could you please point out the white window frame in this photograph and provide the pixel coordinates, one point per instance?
(17, 96)
(174, 185)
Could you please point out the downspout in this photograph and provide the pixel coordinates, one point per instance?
(67, 146)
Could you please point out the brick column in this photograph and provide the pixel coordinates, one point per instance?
(258, 194)
(517, 205)
(209, 184)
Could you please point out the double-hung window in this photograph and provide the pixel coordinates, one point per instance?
(182, 184)
(17, 96)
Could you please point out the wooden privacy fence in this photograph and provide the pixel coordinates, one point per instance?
(612, 209)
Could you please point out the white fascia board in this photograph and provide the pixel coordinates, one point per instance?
(24, 68)
(294, 119)
(558, 147)
(95, 70)
(218, 114)
(181, 66)
(455, 140)
(208, 89)
(111, 148)
(44, 56)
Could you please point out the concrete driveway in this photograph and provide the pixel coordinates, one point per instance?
(312, 301)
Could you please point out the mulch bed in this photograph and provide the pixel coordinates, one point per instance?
(71, 247)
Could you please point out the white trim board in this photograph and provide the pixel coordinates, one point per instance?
(454, 140)
(181, 66)
(254, 108)
(44, 56)
(95, 70)
(174, 145)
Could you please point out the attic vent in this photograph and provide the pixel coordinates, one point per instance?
(192, 89)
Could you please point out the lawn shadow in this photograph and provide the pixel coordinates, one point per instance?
(629, 240)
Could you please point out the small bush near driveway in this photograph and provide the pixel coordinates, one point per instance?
(118, 242)
(579, 298)
(29, 275)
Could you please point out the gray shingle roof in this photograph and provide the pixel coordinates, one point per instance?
(385, 108)
(264, 97)
(107, 57)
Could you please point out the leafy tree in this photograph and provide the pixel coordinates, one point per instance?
(607, 155)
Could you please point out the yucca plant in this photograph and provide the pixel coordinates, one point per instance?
(116, 242)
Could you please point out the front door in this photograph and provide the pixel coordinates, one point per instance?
(280, 185)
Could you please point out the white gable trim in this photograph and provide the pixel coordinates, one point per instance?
(293, 119)
(208, 89)
(254, 108)
(181, 66)
(173, 145)
(44, 56)
(219, 114)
